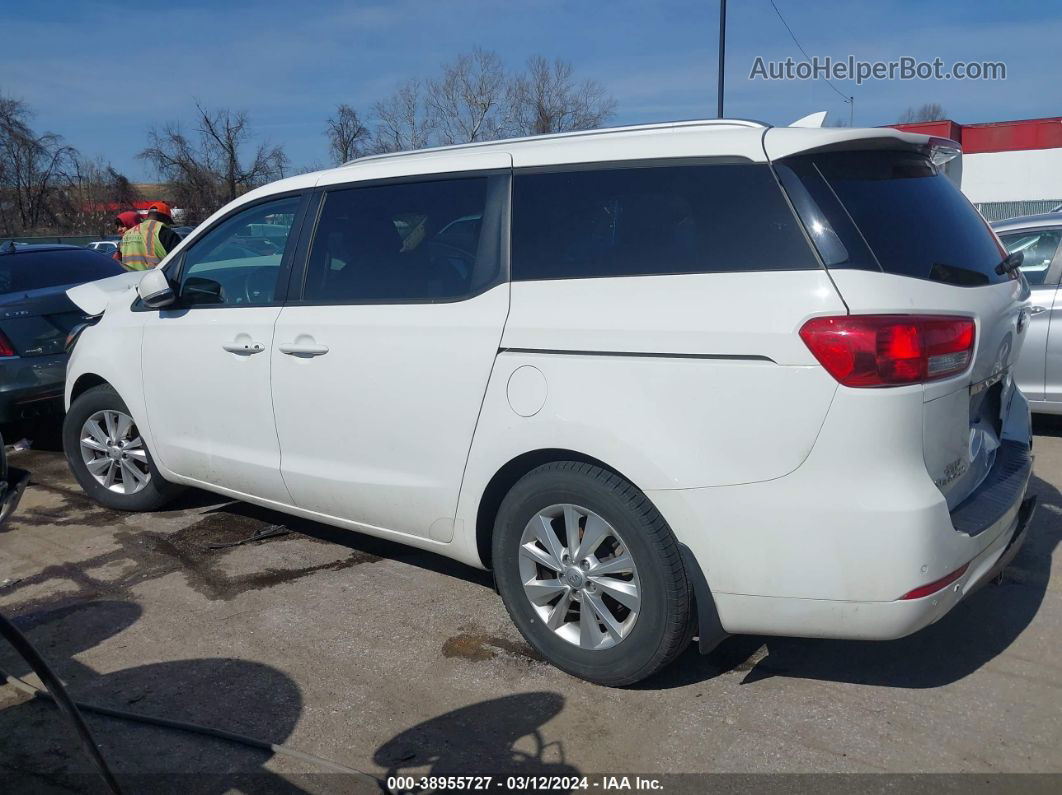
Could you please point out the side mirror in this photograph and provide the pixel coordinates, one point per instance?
(155, 289)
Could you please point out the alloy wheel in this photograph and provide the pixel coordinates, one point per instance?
(114, 453)
(579, 576)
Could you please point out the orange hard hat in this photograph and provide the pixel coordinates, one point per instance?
(161, 208)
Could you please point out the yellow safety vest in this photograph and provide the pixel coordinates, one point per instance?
(141, 248)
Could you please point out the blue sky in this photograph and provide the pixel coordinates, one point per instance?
(289, 63)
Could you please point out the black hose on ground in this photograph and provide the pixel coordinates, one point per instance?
(57, 694)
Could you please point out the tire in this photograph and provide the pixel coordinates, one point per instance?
(635, 648)
(151, 494)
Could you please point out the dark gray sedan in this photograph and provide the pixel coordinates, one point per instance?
(35, 317)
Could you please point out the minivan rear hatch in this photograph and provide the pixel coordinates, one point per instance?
(899, 238)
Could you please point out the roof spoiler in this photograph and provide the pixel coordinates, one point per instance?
(811, 120)
(946, 155)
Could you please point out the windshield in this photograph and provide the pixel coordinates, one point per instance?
(891, 212)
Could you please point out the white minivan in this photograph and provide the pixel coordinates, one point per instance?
(667, 381)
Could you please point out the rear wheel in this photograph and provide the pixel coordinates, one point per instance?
(108, 456)
(591, 573)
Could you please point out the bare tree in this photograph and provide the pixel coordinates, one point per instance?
(193, 184)
(93, 193)
(309, 168)
(548, 98)
(212, 168)
(33, 171)
(474, 99)
(403, 120)
(930, 111)
(468, 100)
(347, 136)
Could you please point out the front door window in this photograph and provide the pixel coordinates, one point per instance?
(237, 263)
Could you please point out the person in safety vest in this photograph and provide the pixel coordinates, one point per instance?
(148, 242)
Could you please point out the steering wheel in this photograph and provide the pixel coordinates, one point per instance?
(258, 285)
(450, 253)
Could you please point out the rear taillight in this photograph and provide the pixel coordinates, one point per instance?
(890, 350)
(6, 349)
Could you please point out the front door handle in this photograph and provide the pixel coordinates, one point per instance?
(243, 347)
(302, 349)
(1035, 310)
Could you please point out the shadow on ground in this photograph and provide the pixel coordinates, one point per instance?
(500, 736)
(977, 630)
(39, 752)
(1047, 425)
(357, 542)
(43, 433)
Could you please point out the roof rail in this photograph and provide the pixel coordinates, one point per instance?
(667, 125)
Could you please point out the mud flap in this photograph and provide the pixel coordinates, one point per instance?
(709, 628)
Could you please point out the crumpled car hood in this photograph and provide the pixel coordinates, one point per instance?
(94, 297)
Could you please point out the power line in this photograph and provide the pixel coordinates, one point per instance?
(792, 35)
(722, 57)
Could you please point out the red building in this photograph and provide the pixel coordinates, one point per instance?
(1008, 167)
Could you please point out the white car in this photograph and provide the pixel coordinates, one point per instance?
(682, 379)
(103, 246)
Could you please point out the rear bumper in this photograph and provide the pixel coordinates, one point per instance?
(31, 386)
(829, 550)
(823, 618)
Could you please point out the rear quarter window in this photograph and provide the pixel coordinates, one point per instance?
(647, 220)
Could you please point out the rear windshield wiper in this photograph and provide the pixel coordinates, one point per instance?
(1010, 263)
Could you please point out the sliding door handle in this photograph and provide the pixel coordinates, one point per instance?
(302, 349)
(243, 348)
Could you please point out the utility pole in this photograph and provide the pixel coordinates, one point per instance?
(722, 57)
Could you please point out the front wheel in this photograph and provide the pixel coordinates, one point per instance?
(108, 457)
(591, 573)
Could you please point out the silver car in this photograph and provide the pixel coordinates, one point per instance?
(1039, 370)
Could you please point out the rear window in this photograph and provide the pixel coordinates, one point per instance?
(33, 270)
(646, 220)
(893, 212)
